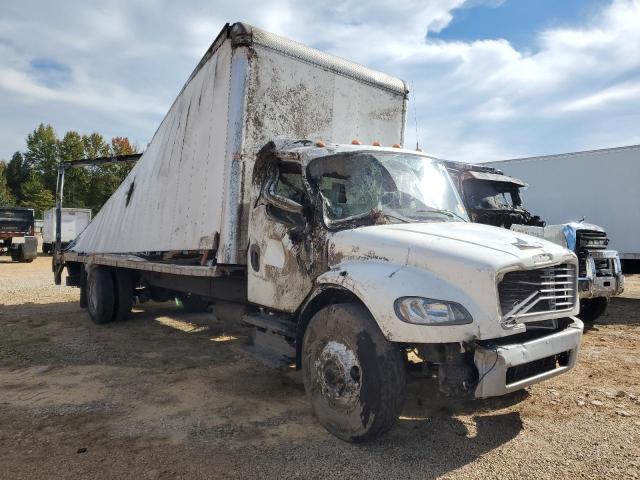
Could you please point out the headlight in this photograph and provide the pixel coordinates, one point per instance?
(427, 311)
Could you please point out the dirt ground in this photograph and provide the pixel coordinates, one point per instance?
(172, 395)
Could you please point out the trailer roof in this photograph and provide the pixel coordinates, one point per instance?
(569, 154)
(241, 33)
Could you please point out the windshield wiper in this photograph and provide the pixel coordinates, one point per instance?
(447, 213)
(397, 217)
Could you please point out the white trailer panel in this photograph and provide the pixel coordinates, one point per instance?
(74, 221)
(603, 186)
(188, 190)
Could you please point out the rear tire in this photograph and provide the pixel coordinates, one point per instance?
(353, 376)
(100, 295)
(194, 303)
(592, 308)
(124, 294)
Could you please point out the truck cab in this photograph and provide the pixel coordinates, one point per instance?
(493, 198)
(17, 234)
(346, 239)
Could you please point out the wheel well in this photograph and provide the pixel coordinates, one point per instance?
(328, 295)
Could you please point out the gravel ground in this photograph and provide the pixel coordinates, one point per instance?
(172, 395)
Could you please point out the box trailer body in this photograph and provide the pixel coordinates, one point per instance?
(257, 189)
(74, 221)
(250, 87)
(17, 234)
(599, 186)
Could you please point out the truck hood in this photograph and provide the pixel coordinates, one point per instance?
(425, 244)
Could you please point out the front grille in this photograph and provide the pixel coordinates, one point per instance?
(542, 290)
(531, 369)
(591, 240)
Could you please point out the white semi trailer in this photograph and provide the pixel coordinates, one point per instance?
(74, 221)
(599, 186)
(347, 256)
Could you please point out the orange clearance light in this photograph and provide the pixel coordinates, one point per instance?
(356, 142)
(397, 145)
(320, 144)
(376, 143)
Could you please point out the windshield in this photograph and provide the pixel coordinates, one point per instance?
(484, 195)
(398, 186)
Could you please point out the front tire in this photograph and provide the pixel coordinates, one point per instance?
(100, 295)
(593, 308)
(353, 376)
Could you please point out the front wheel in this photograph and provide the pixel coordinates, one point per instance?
(592, 308)
(353, 376)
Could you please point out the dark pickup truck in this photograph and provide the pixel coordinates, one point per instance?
(16, 234)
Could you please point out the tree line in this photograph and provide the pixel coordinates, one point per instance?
(29, 178)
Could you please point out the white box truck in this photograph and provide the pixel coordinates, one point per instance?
(74, 221)
(348, 257)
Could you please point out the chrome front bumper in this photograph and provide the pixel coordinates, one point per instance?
(594, 285)
(497, 366)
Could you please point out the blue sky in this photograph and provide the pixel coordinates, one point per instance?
(493, 79)
(517, 21)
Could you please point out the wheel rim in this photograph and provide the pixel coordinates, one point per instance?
(339, 375)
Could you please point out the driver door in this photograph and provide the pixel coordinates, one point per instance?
(277, 277)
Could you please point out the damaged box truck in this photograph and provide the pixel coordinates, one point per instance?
(493, 198)
(348, 257)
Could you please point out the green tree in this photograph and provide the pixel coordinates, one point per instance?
(42, 155)
(77, 180)
(100, 182)
(35, 195)
(17, 173)
(6, 197)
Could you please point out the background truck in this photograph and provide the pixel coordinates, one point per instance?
(493, 198)
(16, 234)
(74, 221)
(347, 257)
(600, 186)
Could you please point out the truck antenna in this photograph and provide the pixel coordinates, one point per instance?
(415, 114)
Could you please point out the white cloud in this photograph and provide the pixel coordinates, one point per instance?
(477, 100)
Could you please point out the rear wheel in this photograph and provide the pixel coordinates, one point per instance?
(353, 376)
(592, 308)
(20, 256)
(124, 294)
(100, 295)
(194, 303)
